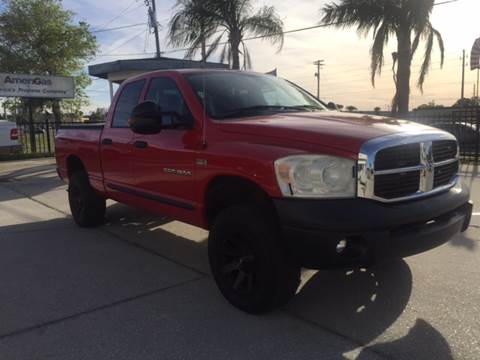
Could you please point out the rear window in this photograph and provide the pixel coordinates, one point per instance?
(126, 102)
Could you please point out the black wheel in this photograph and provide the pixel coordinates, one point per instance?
(88, 208)
(247, 261)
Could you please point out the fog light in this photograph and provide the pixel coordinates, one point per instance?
(341, 246)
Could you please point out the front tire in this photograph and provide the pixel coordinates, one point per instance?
(248, 262)
(86, 206)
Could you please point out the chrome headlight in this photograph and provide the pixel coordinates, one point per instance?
(316, 176)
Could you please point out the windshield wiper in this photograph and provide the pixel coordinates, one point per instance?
(253, 109)
(307, 107)
(274, 108)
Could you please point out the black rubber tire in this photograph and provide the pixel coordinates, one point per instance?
(86, 206)
(270, 277)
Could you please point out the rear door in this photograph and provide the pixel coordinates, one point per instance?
(116, 144)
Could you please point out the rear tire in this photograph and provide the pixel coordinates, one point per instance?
(86, 206)
(248, 263)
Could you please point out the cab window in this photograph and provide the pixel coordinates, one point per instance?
(126, 102)
(165, 93)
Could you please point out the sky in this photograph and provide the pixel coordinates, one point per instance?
(345, 79)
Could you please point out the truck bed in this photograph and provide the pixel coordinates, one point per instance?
(83, 140)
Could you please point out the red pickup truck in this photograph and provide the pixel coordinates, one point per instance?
(280, 181)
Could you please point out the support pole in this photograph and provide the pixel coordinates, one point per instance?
(319, 64)
(478, 80)
(463, 76)
(110, 85)
(31, 128)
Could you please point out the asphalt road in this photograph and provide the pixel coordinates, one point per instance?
(139, 288)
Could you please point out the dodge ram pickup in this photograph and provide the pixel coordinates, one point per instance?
(279, 181)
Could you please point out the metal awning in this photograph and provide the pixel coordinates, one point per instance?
(120, 70)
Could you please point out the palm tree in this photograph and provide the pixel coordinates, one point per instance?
(227, 23)
(407, 20)
(191, 25)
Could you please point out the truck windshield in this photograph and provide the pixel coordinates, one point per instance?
(233, 94)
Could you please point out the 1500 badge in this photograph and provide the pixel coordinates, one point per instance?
(177, 172)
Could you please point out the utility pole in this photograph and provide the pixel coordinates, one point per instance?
(319, 64)
(463, 76)
(152, 17)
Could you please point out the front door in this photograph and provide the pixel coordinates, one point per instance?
(164, 162)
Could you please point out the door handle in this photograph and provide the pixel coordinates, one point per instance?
(107, 142)
(140, 144)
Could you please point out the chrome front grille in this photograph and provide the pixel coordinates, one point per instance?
(407, 166)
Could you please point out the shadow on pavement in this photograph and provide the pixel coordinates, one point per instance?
(464, 240)
(423, 342)
(361, 305)
(31, 181)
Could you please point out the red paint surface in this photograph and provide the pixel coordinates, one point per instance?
(245, 148)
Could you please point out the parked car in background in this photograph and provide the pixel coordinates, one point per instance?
(467, 134)
(9, 140)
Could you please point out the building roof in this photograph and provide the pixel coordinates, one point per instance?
(146, 65)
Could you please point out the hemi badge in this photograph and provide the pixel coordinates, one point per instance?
(201, 162)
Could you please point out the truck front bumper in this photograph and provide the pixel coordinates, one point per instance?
(325, 234)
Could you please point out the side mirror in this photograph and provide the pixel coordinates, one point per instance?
(146, 118)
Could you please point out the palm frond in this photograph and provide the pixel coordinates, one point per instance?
(426, 60)
(441, 45)
(364, 14)
(191, 24)
(265, 23)
(212, 47)
(381, 39)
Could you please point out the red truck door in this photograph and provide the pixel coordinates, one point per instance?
(164, 162)
(116, 146)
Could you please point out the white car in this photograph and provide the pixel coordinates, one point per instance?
(9, 138)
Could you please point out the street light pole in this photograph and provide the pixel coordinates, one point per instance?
(319, 64)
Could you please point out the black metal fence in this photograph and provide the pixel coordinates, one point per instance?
(464, 123)
(39, 137)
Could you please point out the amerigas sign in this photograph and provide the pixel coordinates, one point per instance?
(36, 86)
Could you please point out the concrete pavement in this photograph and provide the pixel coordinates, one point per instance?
(139, 288)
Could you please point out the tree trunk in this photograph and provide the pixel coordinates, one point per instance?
(57, 113)
(404, 72)
(235, 48)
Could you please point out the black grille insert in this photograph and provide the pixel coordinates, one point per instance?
(399, 185)
(445, 174)
(398, 157)
(444, 150)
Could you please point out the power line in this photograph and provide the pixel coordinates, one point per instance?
(445, 2)
(118, 28)
(125, 42)
(122, 13)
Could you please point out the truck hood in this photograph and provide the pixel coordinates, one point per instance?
(331, 129)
